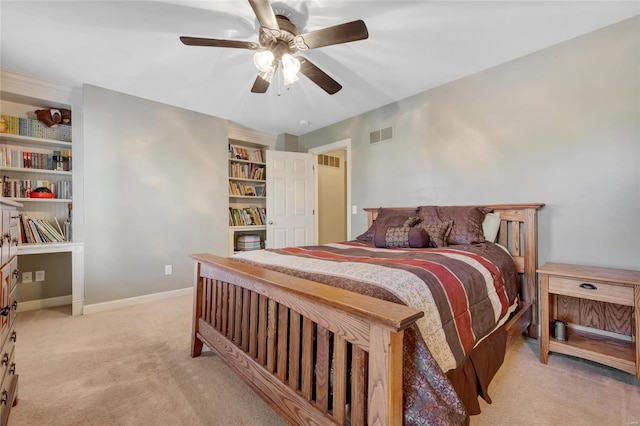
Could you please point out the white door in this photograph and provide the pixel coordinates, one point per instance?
(290, 199)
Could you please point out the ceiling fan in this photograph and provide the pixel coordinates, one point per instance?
(279, 39)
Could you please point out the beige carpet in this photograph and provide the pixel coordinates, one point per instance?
(131, 366)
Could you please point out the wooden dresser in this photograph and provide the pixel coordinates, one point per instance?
(9, 235)
(602, 309)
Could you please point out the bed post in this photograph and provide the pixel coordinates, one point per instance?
(531, 265)
(196, 343)
(385, 367)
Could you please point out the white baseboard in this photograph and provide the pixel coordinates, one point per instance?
(32, 305)
(114, 304)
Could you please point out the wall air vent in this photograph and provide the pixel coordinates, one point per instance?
(381, 135)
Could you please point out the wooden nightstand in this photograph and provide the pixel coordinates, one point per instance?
(609, 286)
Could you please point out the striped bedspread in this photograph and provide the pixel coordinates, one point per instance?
(465, 291)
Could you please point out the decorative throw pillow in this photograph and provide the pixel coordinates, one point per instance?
(466, 221)
(411, 221)
(401, 237)
(386, 217)
(438, 233)
(491, 226)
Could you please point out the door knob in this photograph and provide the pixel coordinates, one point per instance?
(270, 222)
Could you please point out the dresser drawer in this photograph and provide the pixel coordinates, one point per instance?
(585, 289)
(13, 268)
(8, 395)
(14, 233)
(7, 359)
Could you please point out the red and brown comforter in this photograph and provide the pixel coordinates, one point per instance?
(464, 290)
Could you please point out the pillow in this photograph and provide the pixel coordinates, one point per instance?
(386, 217)
(491, 226)
(401, 237)
(466, 221)
(438, 233)
(411, 221)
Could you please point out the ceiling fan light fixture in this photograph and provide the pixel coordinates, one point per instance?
(264, 60)
(267, 75)
(290, 69)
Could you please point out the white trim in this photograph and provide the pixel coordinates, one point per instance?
(131, 301)
(335, 146)
(33, 305)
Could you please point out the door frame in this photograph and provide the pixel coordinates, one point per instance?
(335, 146)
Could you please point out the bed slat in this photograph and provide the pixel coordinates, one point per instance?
(272, 325)
(358, 386)
(283, 340)
(237, 329)
(262, 331)
(294, 350)
(225, 308)
(322, 369)
(339, 379)
(307, 357)
(253, 325)
(219, 297)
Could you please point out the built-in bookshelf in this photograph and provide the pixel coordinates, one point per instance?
(36, 170)
(247, 185)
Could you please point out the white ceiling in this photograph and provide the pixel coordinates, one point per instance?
(133, 47)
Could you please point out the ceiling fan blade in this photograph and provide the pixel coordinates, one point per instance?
(264, 13)
(343, 33)
(318, 76)
(212, 42)
(260, 85)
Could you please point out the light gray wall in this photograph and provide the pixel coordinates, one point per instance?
(155, 191)
(56, 281)
(560, 126)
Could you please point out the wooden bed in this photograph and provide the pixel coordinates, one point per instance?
(318, 354)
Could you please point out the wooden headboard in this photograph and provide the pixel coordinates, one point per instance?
(519, 234)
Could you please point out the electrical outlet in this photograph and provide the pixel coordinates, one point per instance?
(27, 277)
(168, 270)
(39, 276)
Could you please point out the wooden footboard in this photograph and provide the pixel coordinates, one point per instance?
(315, 353)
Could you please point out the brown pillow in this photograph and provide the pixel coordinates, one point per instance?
(438, 233)
(466, 221)
(411, 221)
(401, 237)
(387, 217)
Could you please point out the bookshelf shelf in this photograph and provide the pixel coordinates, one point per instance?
(249, 228)
(41, 200)
(247, 197)
(246, 180)
(44, 248)
(29, 140)
(38, 171)
(240, 160)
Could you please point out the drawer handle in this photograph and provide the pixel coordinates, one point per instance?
(5, 359)
(14, 336)
(5, 311)
(588, 286)
(12, 369)
(16, 273)
(5, 397)
(14, 305)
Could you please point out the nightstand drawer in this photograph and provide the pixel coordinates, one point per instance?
(584, 289)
